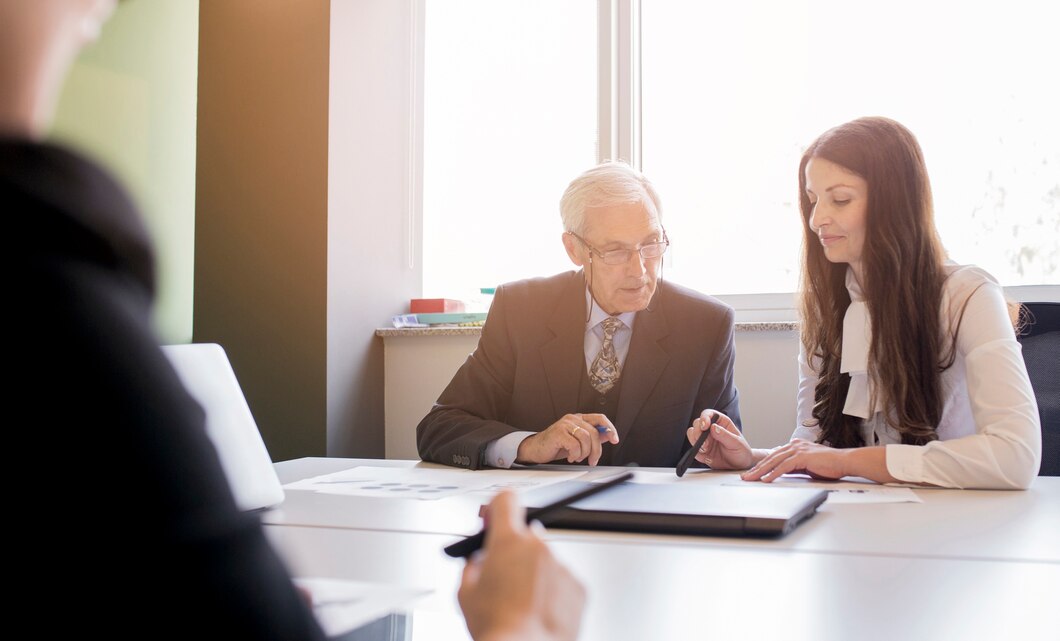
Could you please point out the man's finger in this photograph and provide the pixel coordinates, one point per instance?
(596, 450)
(573, 443)
(601, 426)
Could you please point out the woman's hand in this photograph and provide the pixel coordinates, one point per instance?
(800, 457)
(725, 448)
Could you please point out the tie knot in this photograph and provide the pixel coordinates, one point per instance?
(611, 325)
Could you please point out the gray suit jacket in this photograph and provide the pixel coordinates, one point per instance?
(525, 373)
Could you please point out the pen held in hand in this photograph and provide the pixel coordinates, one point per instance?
(468, 546)
(690, 455)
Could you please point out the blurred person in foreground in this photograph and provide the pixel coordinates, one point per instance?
(135, 496)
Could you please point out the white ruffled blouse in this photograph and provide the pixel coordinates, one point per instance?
(989, 433)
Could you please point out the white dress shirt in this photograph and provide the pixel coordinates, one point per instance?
(502, 452)
(989, 433)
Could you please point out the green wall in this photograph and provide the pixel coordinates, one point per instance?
(130, 102)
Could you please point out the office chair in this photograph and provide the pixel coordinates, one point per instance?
(1041, 352)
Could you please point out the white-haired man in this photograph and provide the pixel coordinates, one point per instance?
(604, 365)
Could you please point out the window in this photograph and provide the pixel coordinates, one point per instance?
(509, 120)
(716, 104)
(733, 94)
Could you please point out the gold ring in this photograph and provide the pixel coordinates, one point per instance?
(574, 429)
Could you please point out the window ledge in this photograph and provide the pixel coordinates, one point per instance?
(390, 332)
(769, 312)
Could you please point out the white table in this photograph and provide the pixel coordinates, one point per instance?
(960, 565)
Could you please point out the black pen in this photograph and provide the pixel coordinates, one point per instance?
(686, 459)
(467, 546)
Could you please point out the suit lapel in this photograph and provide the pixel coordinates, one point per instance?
(644, 364)
(563, 357)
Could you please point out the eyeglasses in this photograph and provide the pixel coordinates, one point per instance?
(622, 256)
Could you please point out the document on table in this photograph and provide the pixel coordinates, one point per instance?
(424, 483)
(645, 477)
(851, 491)
(342, 606)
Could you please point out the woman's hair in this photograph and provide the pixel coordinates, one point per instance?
(903, 279)
(607, 184)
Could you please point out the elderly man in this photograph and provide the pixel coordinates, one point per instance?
(606, 364)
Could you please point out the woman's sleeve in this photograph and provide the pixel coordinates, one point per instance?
(806, 426)
(1005, 451)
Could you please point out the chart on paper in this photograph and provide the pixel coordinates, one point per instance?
(426, 484)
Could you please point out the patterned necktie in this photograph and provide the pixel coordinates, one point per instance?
(605, 371)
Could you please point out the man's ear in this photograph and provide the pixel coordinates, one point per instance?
(572, 245)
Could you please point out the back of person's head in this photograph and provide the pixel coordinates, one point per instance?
(903, 276)
(608, 184)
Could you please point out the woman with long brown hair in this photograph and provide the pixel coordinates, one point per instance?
(909, 369)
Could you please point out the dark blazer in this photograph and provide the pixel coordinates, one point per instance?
(525, 373)
(134, 510)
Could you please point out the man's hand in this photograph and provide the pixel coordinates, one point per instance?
(726, 448)
(575, 437)
(515, 589)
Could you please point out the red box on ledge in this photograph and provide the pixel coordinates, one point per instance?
(435, 306)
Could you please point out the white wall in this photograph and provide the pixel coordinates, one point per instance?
(767, 376)
(373, 238)
(419, 367)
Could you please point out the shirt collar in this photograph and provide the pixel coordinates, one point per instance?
(598, 315)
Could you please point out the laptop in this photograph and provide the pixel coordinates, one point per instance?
(206, 373)
(688, 508)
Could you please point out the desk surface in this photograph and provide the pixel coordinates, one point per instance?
(648, 592)
(953, 524)
(961, 565)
